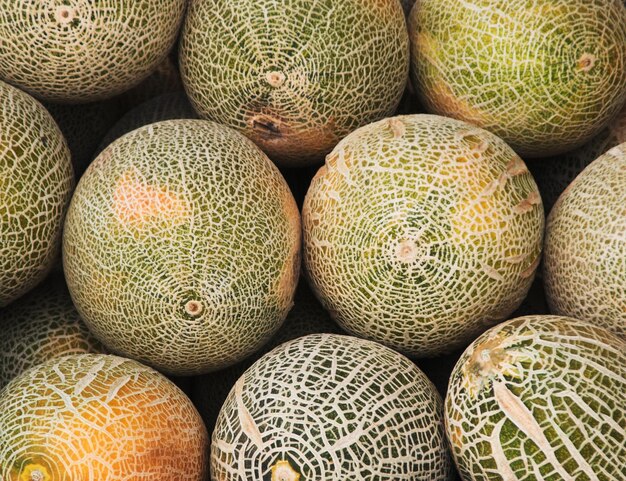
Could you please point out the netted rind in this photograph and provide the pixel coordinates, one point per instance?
(585, 249)
(514, 69)
(36, 180)
(333, 407)
(421, 231)
(94, 417)
(540, 398)
(181, 246)
(78, 51)
(294, 76)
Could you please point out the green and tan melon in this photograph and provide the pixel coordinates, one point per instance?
(294, 76)
(93, 417)
(546, 76)
(420, 231)
(182, 246)
(36, 180)
(78, 51)
(585, 249)
(326, 406)
(540, 398)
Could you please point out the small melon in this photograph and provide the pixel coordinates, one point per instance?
(540, 398)
(585, 248)
(78, 51)
(545, 76)
(294, 76)
(36, 180)
(93, 417)
(331, 407)
(420, 231)
(182, 246)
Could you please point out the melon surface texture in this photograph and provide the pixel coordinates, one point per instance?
(294, 76)
(544, 75)
(420, 231)
(93, 417)
(182, 246)
(540, 398)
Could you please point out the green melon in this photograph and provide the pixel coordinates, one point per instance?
(182, 246)
(93, 417)
(78, 51)
(294, 76)
(545, 75)
(540, 398)
(420, 231)
(585, 248)
(326, 407)
(36, 180)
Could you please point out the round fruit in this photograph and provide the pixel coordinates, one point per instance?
(194, 237)
(294, 76)
(326, 406)
(40, 326)
(540, 397)
(36, 180)
(546, 76)
(585, 249)
(95, 417)
(420, 231)
(78, 51)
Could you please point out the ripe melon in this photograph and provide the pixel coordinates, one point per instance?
(36, 180)
(182, 246)
(540, 398)
(420, 231)
(294, 76)
(326, 407)
(78, 51)
(93, 417)
(546, 76)
(585, 249)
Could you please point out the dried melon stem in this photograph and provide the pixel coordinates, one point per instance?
(282, 471)
(35, 472)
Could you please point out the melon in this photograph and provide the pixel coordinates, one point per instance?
(546, 76)
(540, 398)
(36, 180)
(420, 231)
(78, 51)
(40, 326)
(326, 406)
(294, 76)
(181, 247)
(93, 417)
(585, 249)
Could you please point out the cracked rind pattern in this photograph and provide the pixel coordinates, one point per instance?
(544, 75)
(294, 76)
(421, 231)
(36, 180)
(182, 246)
(40, 326)
(585, 250)
(79, 51)
(335, 407)
(95, 417)
(540, 397)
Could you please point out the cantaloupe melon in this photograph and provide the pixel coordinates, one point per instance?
(182, 246)
(93, 417)
(540, 398)
(42, 325)
(330, 407)
(585, 260)
(294, 76)
(36, 180)
(79, 51)
(545, 75)
(420, 231)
